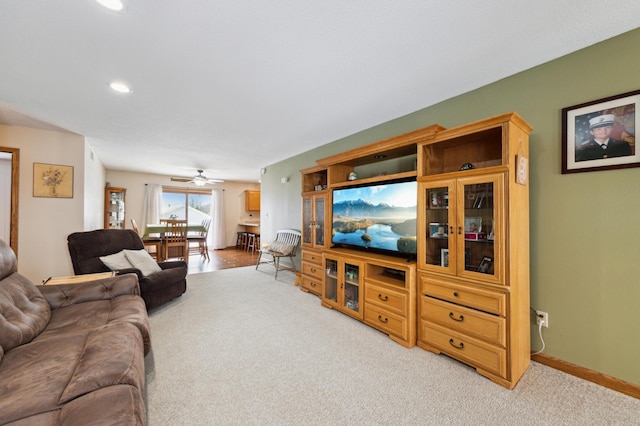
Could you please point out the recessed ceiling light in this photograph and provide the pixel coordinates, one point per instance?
(116, 5)
(120, 87)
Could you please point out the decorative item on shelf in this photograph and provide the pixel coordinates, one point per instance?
(467, 166)
(473, 224)
(438, 230)
(444, 257)
(436, 199)
(485, 265)
(474, 236)
(352, 176)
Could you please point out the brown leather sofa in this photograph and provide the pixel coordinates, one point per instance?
(71, 354)
(156, 289)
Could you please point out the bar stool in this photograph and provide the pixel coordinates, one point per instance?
(240, 239)
(251, 242)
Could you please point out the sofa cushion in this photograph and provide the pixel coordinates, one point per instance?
(24, 312)
(142, 260)
(116, 261)
(43, 375)
(87, 316)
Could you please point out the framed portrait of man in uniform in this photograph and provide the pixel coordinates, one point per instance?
(601, 134)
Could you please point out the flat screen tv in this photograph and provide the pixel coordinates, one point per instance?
(378, 217)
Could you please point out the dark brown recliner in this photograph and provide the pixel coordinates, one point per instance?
(156, 289)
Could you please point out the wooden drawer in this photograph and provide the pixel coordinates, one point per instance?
(487, 327)
(484, 300)
(312, 256)
(312, 285)
(312, 270)
(386, 321)
(392, 301)
(474, 352)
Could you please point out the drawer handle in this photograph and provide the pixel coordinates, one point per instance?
(312, 284)
(313, 270)
(383, 298)
(383, 320)
(455, 294)
(461, 346)
(459, 319)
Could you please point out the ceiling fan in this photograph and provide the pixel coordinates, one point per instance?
(199, 179)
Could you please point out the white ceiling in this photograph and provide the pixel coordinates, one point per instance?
(232, 86)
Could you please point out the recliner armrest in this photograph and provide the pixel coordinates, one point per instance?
(173, 264)
(63, 295)
(138, 272)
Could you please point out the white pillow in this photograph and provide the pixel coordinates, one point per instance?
(282, 248)
(116, 261)
(143, 261)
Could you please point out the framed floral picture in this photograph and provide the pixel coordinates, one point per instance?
(601, 134)
(52, 180)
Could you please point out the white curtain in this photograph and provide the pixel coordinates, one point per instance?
(217, 237)
(151, 207)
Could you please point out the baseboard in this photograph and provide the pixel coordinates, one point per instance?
(589, 375)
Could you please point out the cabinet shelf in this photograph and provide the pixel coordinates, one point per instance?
(383, 178)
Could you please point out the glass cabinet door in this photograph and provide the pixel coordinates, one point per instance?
(307, 220)
(351, 288)
(478, 226)
(331, 280)
(319, 221)
(439, 208)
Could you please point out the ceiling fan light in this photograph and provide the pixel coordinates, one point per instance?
(116, 5)
(120, 87)
(199, 181)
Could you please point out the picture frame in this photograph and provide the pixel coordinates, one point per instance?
(52, 180)
(473, 224)
(444, 257)
(485, 265)
(586, 125)
(438, 230)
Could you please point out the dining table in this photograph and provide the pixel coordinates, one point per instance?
(160, 228)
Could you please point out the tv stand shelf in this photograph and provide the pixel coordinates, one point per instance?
(386, 288)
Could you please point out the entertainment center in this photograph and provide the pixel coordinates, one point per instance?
(425, 237)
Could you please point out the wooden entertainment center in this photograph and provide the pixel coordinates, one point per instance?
(466, 294)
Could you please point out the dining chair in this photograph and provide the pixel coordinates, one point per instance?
(200, 240)
(153, 245)
(175, 240)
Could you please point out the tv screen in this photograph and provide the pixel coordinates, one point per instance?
(380, 216)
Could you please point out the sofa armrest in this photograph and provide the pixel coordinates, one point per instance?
(63, 295)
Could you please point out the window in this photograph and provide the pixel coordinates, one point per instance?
(191, 205)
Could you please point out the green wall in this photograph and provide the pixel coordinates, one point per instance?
(585, 237)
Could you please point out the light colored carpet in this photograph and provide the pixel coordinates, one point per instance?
(242, 348)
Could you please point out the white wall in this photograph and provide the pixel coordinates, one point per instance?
(44, 223)
(234, 198)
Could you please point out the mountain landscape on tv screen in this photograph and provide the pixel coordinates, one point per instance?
(380, 226)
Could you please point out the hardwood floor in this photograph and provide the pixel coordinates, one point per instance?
(230, 257)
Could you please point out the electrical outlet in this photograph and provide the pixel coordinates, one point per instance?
(542, 316)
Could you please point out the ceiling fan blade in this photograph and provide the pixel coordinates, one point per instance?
(181, 179)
